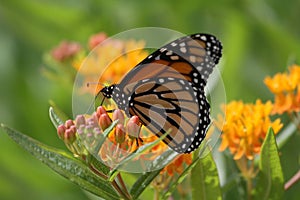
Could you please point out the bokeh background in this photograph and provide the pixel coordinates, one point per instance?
(260, 38)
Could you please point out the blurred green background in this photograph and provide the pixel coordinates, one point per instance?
(260, 38)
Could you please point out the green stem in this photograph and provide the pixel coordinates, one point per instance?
(122, 184)
(124, 194)
(249, 188)
(292, 181)
(156, 194)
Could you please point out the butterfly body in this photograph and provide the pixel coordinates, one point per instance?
(166, 90)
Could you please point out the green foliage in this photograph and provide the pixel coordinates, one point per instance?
(271, 181)
(205, 179)
(259, 39)
(64, 164)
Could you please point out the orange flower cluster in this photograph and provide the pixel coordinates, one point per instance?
(245, 127)
(109, 61)
(286, 88)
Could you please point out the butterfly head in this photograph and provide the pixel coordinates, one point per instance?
(107, 91)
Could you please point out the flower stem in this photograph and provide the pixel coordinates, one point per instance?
(121, 191)
(249, 188)
(292, 181)
(248, 172)
(122, 184)
(156, 194)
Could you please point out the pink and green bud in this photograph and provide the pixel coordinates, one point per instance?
(70, 136)
(118, 115)
(120, 133)
(69, 123)
(80, 120)
(133, 127)
(100, 110)
(104, 121)
(61, 129)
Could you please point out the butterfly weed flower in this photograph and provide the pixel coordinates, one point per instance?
(243, 131)
(286, 89)
(245, 127)
(115, 56)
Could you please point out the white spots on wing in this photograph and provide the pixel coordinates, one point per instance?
(174, 57)
(203, 37)
(169, 53)
(193, 59)
(173, 44)
(183, 49)
(161, 80)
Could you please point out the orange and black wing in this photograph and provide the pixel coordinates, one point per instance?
(172, 106)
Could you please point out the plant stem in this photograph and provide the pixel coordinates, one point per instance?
(123, 193)
(122, 184)
(292, 181)
(156, 194)
(248, 174)
(120, 191)
(249, 188)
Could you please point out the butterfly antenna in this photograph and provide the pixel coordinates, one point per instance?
(97, 95)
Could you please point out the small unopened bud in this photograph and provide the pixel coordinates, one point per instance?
(104, 121)
(70, 136)
(100, 111)
(133, 127)
(80, 120)
(73, 128)
(61, 131)
(69, 123)
(120, 133)
(118, 115)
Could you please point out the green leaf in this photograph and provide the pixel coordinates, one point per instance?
(56, 115)
(151, 172)
(205, 178)
(270, 178)
(106, 132)
(179, 180)
(142, 183)
(65, 165)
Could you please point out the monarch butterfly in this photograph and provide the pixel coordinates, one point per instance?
(166, 90)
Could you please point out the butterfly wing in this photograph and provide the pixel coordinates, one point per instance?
(173, 106)
(166, 90)
(190, 58)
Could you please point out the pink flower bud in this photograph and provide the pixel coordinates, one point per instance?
(96, 39)
(104, 121)
(69, 123)
(61, 131)
(118, 115)
(73, 128)
(69, 136)
(120, 133)
(133, 127)
(65, 50)
(100, 111)
(80, 120)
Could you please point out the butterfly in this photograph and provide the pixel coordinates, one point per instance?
(166, 90)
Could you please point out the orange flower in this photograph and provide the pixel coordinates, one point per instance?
(286, 88)
(177, 165)
(109, 62)
(245, 127)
